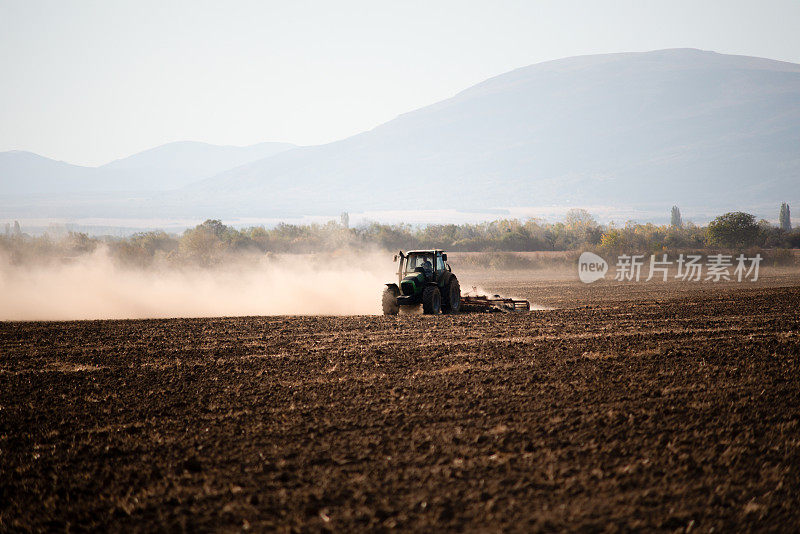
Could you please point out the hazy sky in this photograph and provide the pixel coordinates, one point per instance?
(91, 81)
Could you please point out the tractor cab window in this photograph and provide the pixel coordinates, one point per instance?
(439, 263)
(420, 261)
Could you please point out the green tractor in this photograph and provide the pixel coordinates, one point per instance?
(423, 277)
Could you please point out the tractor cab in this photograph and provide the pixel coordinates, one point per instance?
(431, 263)
(428, 263)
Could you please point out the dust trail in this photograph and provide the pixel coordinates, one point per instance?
(93, 287)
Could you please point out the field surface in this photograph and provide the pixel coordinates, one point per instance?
(670, 407)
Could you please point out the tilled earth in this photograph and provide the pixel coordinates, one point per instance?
(668, 407)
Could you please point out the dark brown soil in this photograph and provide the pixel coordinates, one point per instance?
(648, 407)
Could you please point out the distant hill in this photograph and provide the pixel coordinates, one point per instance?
(175, 165)
(672, 126)
(653, 129)
(25, 173)
(165, 167)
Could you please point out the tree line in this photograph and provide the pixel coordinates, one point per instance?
(213, 242)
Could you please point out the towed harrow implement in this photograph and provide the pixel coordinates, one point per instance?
(493, 303)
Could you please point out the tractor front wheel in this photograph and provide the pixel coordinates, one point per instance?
(389, 301)
(431, 300)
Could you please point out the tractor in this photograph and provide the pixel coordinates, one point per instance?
(423, 277)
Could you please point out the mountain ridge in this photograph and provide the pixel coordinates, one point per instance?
(168, 166)
(560, 131)
(674, 126)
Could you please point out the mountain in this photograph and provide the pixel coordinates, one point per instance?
(175, 165)
(678, 126)
(633, 130)
(25, 173)
(165, 167)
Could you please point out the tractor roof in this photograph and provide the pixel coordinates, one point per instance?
(428, 251)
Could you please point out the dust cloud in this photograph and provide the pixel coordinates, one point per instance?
(94, 287)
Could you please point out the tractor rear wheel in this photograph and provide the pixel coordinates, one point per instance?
(431, 300)
(389, 301)
(453, 300)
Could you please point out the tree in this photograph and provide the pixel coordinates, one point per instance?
(579, 218)
(344, 218)
(80, 242)
(205, 243)
(612, 239)
(213, 226)
(735, 229)
(17, 229)
(579, 224)
(785, 218)
(155, 241)
(675, 218)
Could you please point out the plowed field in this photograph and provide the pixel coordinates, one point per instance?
(640, 406)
